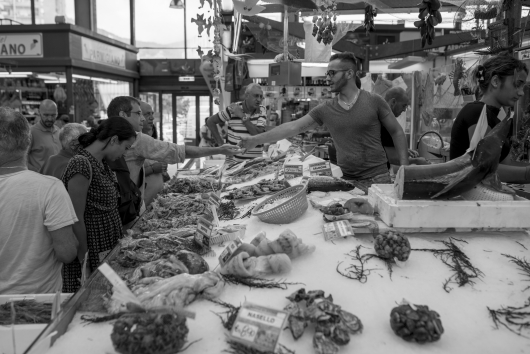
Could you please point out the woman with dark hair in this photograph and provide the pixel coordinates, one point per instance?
(501, 80)
(93, 188)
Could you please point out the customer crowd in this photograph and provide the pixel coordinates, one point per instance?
(68, 193)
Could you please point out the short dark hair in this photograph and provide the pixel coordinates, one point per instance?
(346, 57)
(114, 126)
(121, 104)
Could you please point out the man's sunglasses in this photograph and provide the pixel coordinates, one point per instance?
(332, 73)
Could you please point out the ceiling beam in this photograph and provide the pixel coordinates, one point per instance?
(391, 50)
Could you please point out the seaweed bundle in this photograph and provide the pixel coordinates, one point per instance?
(227, 211)
(515, 319)
(360, 272)
(229, 315)
(457, 261)
(255, 282)
(238, 348)
(25, 312)
(523, 265)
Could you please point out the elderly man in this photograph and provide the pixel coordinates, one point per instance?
(398, 100)
(56, 164)
(37, 215)
(245, 119)
(145, 147)
(44, 136)
(154, 170)
(354, 119)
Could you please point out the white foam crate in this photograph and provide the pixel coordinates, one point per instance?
(25, 334)
(443, 214)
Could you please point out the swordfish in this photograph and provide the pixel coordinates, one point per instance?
(484, 164)
(451, 179)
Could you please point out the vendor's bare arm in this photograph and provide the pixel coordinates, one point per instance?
(195, 151)
(398, 137)
(212, 125)
(514, 172)
(253, 129)
(283, 131)
(78, 189)
(65, 244)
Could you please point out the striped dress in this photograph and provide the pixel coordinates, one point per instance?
(236, 130)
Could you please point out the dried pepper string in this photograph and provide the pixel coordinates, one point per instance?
(457, 261)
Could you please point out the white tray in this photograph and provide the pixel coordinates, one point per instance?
(439, 215)
(25, 334)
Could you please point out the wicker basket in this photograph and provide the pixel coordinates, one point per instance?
(287, 212)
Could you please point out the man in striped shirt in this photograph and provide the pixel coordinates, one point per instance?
(244, 119)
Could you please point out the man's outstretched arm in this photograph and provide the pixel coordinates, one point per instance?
(283, 131)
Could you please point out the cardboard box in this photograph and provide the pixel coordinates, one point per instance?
(25, 334)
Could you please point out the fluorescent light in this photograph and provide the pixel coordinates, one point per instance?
(47, 77)
(16, 73)
(407, 61)
(81, 77)
(318, 65)
(100, 80)
(58, 81)
(13, 76)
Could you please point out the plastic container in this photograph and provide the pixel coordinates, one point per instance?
(286, 212)
(25, 334)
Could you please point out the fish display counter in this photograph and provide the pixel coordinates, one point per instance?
(334, 280)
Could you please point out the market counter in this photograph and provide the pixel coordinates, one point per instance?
(463, 310)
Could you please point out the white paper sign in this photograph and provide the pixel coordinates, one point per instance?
(18, 45)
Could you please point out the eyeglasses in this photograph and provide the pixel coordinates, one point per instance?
(332, 73)
(148, 114)
(137, 112)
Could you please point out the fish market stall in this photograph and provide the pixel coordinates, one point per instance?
(333, 278)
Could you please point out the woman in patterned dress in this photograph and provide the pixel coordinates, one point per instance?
(93, 189)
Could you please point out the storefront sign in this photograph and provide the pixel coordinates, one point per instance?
(102, 53)
(21, 45)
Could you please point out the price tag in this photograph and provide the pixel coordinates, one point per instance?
(118, 284)
(204, 232)
(337, 229)
(272, 152)
(293, 171)
(259, 327)
(229, 251)
(322, 168)
(227, 234)
(214, 200)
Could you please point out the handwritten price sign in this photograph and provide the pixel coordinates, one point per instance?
(258, 327)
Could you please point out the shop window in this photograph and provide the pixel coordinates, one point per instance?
(46, 10)
(24, 91)
(19, 11)
(114, 19)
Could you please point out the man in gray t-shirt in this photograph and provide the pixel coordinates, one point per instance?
(354, 118)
